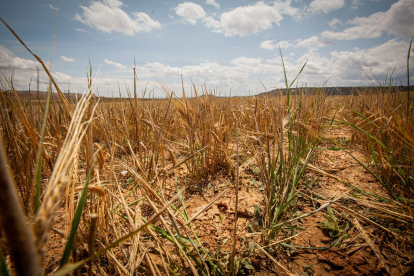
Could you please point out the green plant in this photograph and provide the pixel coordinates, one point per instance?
(335, 229)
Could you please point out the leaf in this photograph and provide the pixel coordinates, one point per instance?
(331, 214)
(164, 234)
(287, 246)
(76, 220)
(249, 266)
(327, 225)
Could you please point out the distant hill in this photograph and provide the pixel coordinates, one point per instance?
(333, 90)
(41, 95)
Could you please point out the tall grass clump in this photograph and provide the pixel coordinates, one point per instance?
(299, 121)
(383, 122)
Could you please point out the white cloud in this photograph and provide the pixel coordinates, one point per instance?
(334, 23)
(210, 22)
(355, 4)
(116, 64)
(311, 43)
(351, 67)
(268, 45)
(114, 3)
(247, 20)
(242, 21)
(285, 8)
(108, 16)
(214, 3)
(81, 30)
(398, 21)
(285, 44)
(272, 44)
(191, 12)
(5, 53)
(53, 8)
(241, 72)
(25, 71)
(67, 59)
(345, 67)
(62, 78)
(8, 60)
(318, 6)
(245, 61)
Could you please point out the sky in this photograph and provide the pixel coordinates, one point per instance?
(231, 47)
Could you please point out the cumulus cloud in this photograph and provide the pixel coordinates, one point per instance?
(214, 3)
(108, 16)
(67, 59)
(343, 66)
(285, 7)
(81, 30)
(25, 70)
(8, 60)
(241, 21)
(268, 45)
(318, 6)
(5, 53)
(334, 23)
(113, 63)
(355, 4)
(62, 78)
(352, 66)
(272, 44)
(247, 20)
(53, 8)
(245, 61)
(398, 21)
(190, 12)
(311, 44)
(210, 22)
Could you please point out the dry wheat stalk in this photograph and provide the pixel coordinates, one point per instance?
(61, 173)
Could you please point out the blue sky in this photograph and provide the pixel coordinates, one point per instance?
(219, 44)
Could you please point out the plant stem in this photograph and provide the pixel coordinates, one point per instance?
(233, 252)
(19, 235)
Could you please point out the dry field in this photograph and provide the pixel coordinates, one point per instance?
(308, 184)
(304, 184)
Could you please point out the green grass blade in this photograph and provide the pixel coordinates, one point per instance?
(38, 169)
(76, 221)
(303, 67)
(369, 135)
(362, 116)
